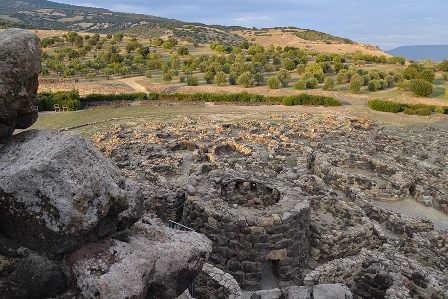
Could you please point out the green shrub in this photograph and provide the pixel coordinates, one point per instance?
(328, 101)
(423, 111)
(287, 101)
(385, 106)
(45, 101)
(427, 75)
(273, 82)
(152, 96)
(421, 106)
(72, 105)
(312, 83)
(372, 86)
(300, 85)
(408, 111)
(310, 100)
(329, 84)
(192, 81)
(439, 110)
(95, 97)
(421, 88)
(356, 83)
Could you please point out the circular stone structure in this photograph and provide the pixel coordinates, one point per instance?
(260, 229)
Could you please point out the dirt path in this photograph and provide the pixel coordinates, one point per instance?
(130, 82)
(411, 208)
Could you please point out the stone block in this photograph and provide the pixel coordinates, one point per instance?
(277, 254)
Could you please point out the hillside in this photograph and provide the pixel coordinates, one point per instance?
(435, 53)
(45, 14)
(305, 38)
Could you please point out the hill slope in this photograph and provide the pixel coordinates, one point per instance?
(44, 14)
(435, 53)
(307, 39)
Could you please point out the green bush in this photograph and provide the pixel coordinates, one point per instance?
(152, 96)
(192, 81)
(421, 88)
(423, 111)
(312, 83)
(329, 84)
(408, 111)
(72, 105)
(439, 110)
(421, 106)
(273, 82)
(355, 84)
(300, 85)
(385, 106)
(287, 101)
(45, 101)
(95, 97)
(310, 100)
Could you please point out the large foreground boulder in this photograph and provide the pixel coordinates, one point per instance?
(58, 191)
(19, 68)
(145, 261)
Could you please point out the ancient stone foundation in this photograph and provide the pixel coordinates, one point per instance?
(251, 243)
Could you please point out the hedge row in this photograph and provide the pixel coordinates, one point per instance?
(311, 100)
(394, 107)
(71, 99)
(96, 97)
(302, 99)
(46, 101)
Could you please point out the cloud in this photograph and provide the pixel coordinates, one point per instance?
(251, 19)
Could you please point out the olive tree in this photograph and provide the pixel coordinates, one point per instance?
(355, 84)
(273, 82)
(220, 78)
(328, 84)
(245, 79)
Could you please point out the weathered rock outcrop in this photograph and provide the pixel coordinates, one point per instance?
(64, 209)
(146, 261)
(19, 68)
(58, 191)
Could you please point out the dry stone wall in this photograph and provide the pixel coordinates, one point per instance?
(215, 283)
(246, 237)
(229, 177)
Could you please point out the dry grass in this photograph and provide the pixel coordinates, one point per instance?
(278, 38)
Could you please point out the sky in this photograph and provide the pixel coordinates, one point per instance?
(387, 24)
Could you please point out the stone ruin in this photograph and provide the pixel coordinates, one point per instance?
(71, 225)
(288, 201)
(258, 229)
(292, 208)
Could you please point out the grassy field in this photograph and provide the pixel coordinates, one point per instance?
(88, 122)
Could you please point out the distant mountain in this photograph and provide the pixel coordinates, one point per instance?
(44, 14)
(436, 53)
(8, 6)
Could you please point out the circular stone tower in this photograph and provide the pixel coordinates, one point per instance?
(259, 228)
